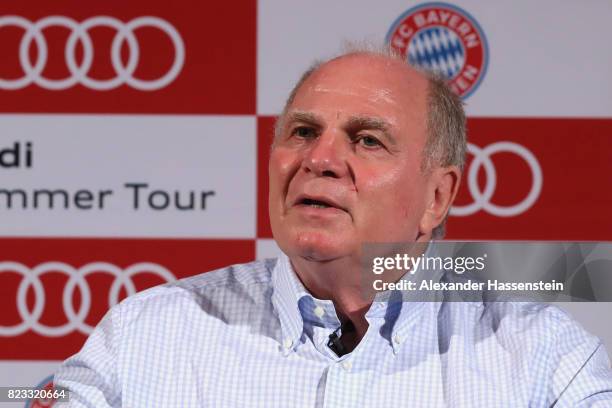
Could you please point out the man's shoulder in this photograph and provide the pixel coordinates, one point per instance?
(529, 313)
(246, 275)
(537, 325)
(524, 327)
(230, 286)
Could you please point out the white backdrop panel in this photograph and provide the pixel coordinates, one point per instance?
(546, 58)
(191, 155)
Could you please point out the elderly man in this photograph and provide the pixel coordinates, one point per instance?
(367, 149)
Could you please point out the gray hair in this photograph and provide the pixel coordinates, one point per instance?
(446, 131)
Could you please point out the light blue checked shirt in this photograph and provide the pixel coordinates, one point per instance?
(252, 336)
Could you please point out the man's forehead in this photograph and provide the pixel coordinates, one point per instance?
(371, 71)
(376, 93)
(376, 78)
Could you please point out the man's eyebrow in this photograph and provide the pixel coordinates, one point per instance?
(305, 117)
(353, 124)
(372, 123)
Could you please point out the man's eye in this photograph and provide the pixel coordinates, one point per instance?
(304, 132)
(369, 141)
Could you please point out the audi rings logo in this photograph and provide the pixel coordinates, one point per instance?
(482, 199)
(79, 34)
(76, 319)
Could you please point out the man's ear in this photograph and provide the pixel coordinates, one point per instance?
(442, 188)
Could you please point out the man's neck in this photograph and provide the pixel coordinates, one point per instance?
(342, 282)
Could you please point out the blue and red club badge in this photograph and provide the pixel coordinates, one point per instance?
(444, 38)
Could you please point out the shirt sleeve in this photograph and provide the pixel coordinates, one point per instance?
(585, 369)
(91, 375)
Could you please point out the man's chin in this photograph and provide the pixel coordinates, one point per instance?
(317, 246)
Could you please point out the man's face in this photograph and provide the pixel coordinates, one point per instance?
(346, 168)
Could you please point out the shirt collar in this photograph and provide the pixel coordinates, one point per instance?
(401, 310)
(293, 303)
(287, 290)
(420, 306)
(397, 317)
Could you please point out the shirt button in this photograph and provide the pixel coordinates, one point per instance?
(347, 365)
(287, 343)
(319, 311)
(397, 339)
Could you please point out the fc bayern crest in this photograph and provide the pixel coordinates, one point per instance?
(443, 38)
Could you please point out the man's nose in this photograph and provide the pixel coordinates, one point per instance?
(327, 155)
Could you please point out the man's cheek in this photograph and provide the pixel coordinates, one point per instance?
(284, 158)
(380, 180)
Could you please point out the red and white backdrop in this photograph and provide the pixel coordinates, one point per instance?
(134, 138)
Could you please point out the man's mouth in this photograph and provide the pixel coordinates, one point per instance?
(318, 202)
(314, 203)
